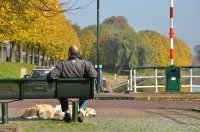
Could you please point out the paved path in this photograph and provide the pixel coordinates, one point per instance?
(121, 108)
(132, 115)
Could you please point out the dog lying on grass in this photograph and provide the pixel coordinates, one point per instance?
(46, 111)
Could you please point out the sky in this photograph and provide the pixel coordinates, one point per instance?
(146, 15)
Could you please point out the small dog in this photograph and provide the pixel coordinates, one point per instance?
(89, 112)
(46, 111)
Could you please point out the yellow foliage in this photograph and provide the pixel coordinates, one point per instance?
(183, 56)
(31, 26)
(87, 40)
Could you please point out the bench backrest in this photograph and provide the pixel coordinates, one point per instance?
(40, 89)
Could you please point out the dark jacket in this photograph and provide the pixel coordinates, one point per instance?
(74, 67)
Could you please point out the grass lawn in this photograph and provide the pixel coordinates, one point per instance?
(98, 124)
(12, 70)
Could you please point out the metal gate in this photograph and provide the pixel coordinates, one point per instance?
(190, 78)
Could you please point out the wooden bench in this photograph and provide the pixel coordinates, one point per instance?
(19, 89)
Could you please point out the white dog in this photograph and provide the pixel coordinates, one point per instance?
(89, 112)
(46, 111)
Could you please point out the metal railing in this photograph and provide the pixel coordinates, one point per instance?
(191, 76)
(133, 84)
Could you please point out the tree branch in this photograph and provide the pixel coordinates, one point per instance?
(50, 8)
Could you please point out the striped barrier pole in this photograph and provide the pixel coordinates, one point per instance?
(171, 33)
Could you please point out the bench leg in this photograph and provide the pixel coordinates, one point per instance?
(75, 111)
(4, 107)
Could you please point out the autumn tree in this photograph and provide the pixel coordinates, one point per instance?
(120, 46)
(161, 45)
(127, 49)
(117, 22)
(104, 45)
(183, 56)
(50, 6)
(155, 39)
(28, 26)
(77, 29)
(88, 44)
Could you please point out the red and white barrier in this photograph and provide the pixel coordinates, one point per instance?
(171, 33)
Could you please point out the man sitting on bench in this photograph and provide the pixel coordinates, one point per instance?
(72, 68)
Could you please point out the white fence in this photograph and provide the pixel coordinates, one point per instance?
(133, 78)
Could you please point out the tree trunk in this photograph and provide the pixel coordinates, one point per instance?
(12, 52)
(6, 54)
(39, 60)
(27, 54)
(54, 61)
(121, 66)
(2, 56)
(20, 54)
(47, 59)
(50, 61)
(32, 55)
(43, 58)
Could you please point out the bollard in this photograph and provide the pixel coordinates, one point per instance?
(4, 107)
(75, 111)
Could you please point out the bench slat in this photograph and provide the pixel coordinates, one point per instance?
(40, 89)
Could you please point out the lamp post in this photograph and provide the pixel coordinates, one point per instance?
(98, 68)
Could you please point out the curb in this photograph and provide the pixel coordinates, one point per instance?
(114, 96)
(144, 98)
(196, 109)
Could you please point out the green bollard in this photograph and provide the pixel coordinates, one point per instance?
(4, 107)
(75, 111)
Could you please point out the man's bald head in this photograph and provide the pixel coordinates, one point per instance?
(73, 51)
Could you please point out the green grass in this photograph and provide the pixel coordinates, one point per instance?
(108, 74)
(122, 73)
(108, 125)
(46, 126)
(12, 70)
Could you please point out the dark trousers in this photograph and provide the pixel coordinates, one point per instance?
(65, 104)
